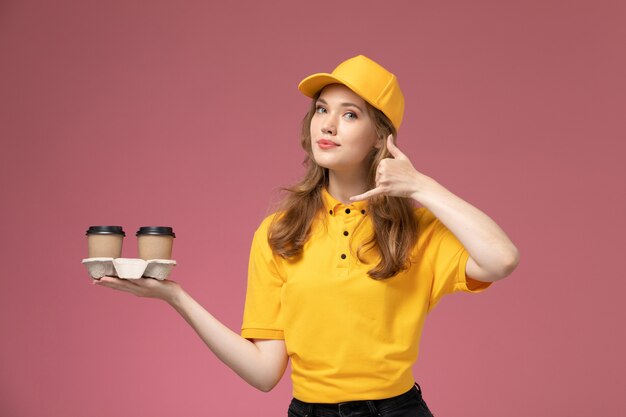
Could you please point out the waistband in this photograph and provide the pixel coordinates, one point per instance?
(371, 406)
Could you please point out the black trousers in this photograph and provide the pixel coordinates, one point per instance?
(409, 404)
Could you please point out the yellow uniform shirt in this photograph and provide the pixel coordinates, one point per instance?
(350, 337)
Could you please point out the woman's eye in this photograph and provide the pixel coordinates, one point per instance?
(351, 115)
(320, 109)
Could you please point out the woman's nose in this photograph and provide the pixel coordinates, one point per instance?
(329, 127)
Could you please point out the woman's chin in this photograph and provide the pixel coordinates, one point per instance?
(332, 163)
(325, 162)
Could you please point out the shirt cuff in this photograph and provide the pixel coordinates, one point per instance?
(466, 283)
(262, 334)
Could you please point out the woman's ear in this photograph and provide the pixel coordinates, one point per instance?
(379, 143)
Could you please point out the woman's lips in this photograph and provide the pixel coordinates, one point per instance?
(326, 144)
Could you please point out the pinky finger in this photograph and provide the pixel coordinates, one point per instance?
(366, 195)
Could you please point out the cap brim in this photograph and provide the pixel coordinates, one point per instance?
(312, 84)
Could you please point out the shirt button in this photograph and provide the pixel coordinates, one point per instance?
(362, 211)
(331, 212)
(345, 233)
(347, 211)
(343, 256)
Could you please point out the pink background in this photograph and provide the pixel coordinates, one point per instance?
(186, 113)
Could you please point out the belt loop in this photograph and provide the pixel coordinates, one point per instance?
(419, 389)
(310, 410)
(372, 407)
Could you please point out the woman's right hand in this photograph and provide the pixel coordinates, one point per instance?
(142, 287)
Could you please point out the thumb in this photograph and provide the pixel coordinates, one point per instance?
(393, 149)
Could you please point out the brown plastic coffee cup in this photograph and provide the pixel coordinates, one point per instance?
(155, 242)
(105, 241)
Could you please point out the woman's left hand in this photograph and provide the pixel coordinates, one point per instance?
(396, 176)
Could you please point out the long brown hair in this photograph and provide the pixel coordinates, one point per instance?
(395, 227)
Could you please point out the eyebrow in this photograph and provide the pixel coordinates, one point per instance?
(342, 104)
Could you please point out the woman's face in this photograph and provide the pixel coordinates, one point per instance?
(342, 132)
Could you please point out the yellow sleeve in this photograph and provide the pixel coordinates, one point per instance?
(261, 317)
(447, 257)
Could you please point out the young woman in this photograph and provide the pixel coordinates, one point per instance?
(342, 276)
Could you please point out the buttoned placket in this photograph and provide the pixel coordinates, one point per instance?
(345, 220)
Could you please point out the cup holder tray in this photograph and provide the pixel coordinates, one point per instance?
(129, 268)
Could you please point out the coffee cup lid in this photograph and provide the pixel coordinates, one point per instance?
(105, 230)
(156, 230)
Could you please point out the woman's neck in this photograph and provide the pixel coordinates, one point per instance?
(343, 185)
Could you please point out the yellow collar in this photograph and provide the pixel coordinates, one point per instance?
(334, 206)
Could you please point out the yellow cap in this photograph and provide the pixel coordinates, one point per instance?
(368, 79)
